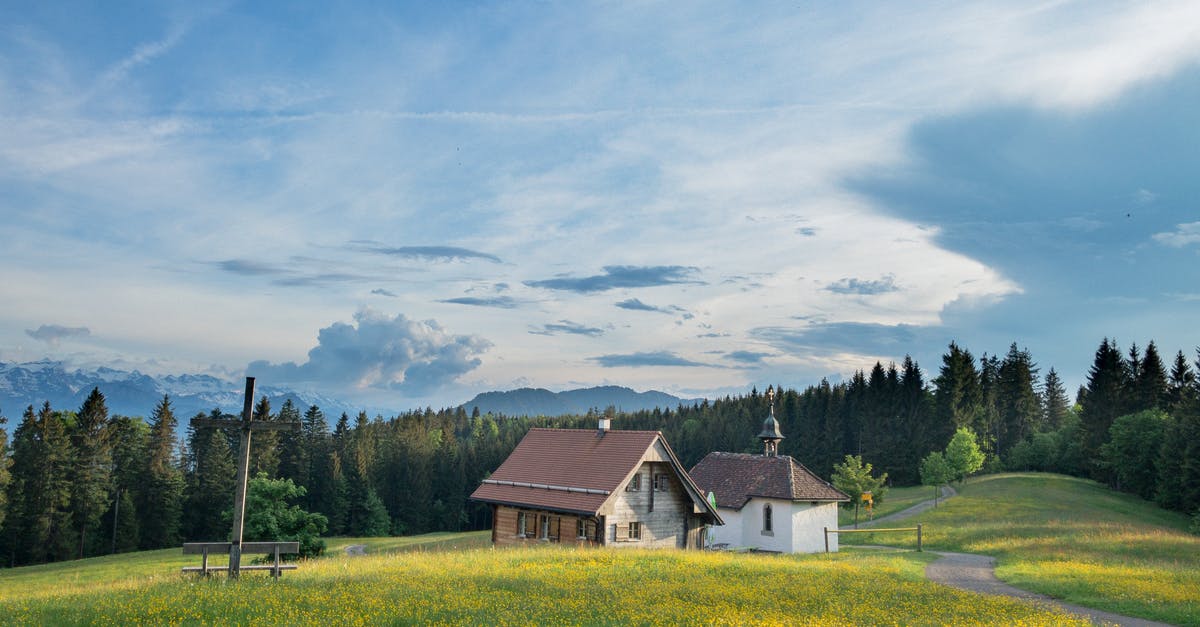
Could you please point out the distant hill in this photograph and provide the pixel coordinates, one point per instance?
(136, 394)
(542, 402)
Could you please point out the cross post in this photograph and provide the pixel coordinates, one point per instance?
(246, 427)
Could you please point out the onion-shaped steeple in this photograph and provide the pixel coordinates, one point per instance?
(770, 435)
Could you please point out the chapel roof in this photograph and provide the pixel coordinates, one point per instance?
(735, 478)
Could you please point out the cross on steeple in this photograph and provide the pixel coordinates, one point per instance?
(246, 426)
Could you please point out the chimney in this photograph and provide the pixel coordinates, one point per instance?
(605, 422)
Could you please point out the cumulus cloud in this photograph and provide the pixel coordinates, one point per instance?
(621, 276)
(433, 253)
(53, 333)
(638, 360)
(1183, 235)
(501, 302)
(377, 351)
(863, 288)
(566, 326)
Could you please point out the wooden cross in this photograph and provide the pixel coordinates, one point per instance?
(247, 426)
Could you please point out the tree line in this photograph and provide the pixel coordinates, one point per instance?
(81, 483)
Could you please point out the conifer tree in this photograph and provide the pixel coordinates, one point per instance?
(1150, 389)
(162, 496)
(1055, 404)
(128, 437)
(211, 486)
(1106, 398)
(264, 446)
(1018, 402)
(292, 453)
(1182, 386)
(39, 527)
(91, 469)
(957, 397)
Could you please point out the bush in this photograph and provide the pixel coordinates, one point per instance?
(269, 517)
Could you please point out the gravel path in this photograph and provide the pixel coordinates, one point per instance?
(977, 573)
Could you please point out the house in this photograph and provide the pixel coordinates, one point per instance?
(769, 502)
(597, 488)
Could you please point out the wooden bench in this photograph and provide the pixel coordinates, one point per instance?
(258, 548)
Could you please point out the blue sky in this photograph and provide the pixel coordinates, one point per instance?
(409, 203)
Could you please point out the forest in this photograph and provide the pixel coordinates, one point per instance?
(79, 483)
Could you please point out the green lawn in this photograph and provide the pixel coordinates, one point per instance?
(1072, 539)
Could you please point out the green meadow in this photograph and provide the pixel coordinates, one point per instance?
(1062, 536)
(1072, 539)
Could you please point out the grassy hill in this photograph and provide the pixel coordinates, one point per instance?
(458, 578)
(1072, 539)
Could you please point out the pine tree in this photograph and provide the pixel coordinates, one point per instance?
(39, 528)
(1018, 403)
(1106, 398)
(128, 437)
(214, 482)
(162, 496)
(1182, 387)
(1055, 404)
(264, 446)
(91, 469)
(1150, 389)
(292, 453)
(989, 386)
(957, 397)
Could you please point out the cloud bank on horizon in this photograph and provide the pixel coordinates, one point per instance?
(409, 205)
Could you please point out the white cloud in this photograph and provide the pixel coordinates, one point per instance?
(1183, 235)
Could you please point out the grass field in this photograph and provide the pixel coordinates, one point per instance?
(1063, 536)
(1072, 539)
(894, 500)
(550, 585)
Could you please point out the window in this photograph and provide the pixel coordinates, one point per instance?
(635, 531)
(530, 525)
(768, 523)
(662, 482)
(581, 528)
(635, 483)
(521, 524)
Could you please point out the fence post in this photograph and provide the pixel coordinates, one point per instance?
(918, 537)
(826, 539)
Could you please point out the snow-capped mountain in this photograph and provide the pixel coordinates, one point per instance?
(136, 394)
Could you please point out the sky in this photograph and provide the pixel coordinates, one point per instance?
(405, 204)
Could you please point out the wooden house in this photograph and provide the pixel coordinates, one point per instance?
(769, 502)
(595, 487)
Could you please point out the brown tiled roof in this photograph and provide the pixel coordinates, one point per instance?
(566, 469)
(736, 477)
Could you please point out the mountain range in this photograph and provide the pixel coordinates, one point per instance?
(132, 393)
(542, 402)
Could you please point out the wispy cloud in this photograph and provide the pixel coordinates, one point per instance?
(646, 359)
(1183, 235)
(52, 334)
(432, 253)
(499, 302)
(383, 292)
(634, 304)
(748, 357)
(568, 327)
(863, 287)
(621, 277)
(846, 337)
